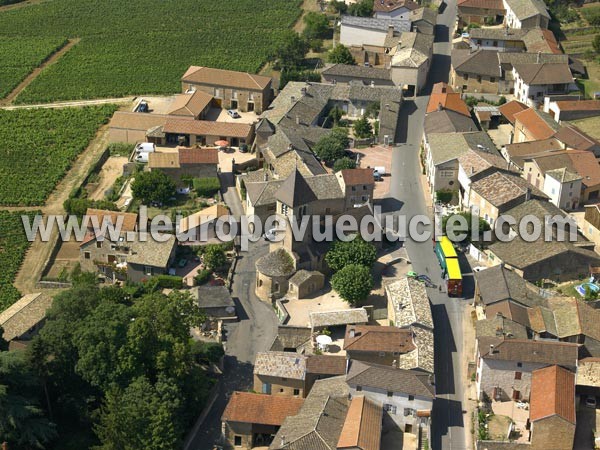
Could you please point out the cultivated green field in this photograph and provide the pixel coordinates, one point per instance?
(13, 245)
(37, 147)
(19, 56)
(144, 46)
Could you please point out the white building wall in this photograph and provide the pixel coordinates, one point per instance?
(351, 35)
(510, 18)
(398, 401)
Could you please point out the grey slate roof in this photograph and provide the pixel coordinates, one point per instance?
(546, 73)
(319, 423)
(280, 364)
(150, 252)
(291, 337)
(448, 146)
(295, 191)
(277, 263)
(498, 283)
(371, 23)
(336, 318)
(522, 350)
(426, 14)
(480, 62)
(525, 9)
(24, 314)
(410, 302)
(356, 71)
(413, 50)
(212, 296)
(498, 34)
(390, 379)
(499, 326)
(447, 121)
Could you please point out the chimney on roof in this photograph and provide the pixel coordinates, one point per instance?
(492, 348)
(351, 333)
(292, 99)
(506, 28)
(283, 443)
(303, 91)
(297, 120)
(472, 170)
(439, 106)
(539, 54)
(390, 32)
(372, 83)
(527, 194)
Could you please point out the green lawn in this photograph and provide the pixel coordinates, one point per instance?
(144, 46)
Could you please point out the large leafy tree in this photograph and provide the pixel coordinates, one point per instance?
(353, 282)
(152, 186)
(290, 52)
(22, 421)
(362, 8)
(356, 251)
(316, 25)
(362, 128)
(340, 55)
(344, 163)
(332, 146)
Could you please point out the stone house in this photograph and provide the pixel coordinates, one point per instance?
(407, 396)
(191, 133)
(480, 11)
(250, 420)
(23, 319)
(534, 81)
(394, 9)
(344, 74)
(475, 71)
(526, 14)
(280, 373)
(357, 186)
(200, 227)
(292, 339)
(304, 283)
(411, 60)
(572, 137)
(423, 20)
(230, 89)
(272, 274)
(194, 105)
(565, 110)
(185, 164)
(377, 344)
(590, 223)
(362, 425)
(552, 412)
(533, 125)
(215, 302)
(505, 366)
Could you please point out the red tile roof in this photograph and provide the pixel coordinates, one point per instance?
(198, 155)
(552, 393)
(481, 4)
(535, 125)
(511, 108)
(362, 427)
(129, 219)
(354, 177)
(573, 137)
(369, 338)
(578, 105)
(261, 409)
(207, 128)
(450, 101)
(225, 78)
(441, 88)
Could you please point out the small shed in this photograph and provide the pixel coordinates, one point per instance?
(305, 282)
(215, 301)
(326, 319)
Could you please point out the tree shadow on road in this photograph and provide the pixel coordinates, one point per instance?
(444, 347)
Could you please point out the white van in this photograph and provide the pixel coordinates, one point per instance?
(145, 147)
(142, 157)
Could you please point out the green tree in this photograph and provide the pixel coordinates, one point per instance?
(208, 351)
(356, 251)
(344, 163)
(290, 53)
(335, 114)
(353, 283)
(214, 256)
(362, 128)
(338, 7)
(152, 186)
(332, 146)
(3, 343)
(372, 110)
(596, 43)
(363, 8)
(22, 421)
(316, 25)
(340, 55)
(456, 229)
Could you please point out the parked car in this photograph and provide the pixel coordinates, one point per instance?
(142, 157)
(233, 113)
(145, 147)
(143, 107)
(243, 148)
(590, 401)
(271, 234)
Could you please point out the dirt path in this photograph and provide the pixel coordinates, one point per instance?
(72, 104)
(307, 6)
(20, 5)
(33, 75)
(111, 170)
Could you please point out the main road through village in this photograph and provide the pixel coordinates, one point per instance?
(257, 328)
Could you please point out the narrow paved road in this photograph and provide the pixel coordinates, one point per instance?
(448, 432)
(254, 332)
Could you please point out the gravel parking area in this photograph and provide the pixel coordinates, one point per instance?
(378, 156)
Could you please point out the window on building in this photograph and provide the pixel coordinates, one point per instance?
(479, 42)
(358, 388)
(518, 375)
(364, 187)
(98, 244)
(237, 441)
(411, 398)
(217, 92)
(353, 188)
(381, 354)
(87, 255)
(519, 364)
(466, 76)
(284, 209)
(234, 94)
(479, 78)
(296, 392)
(492, 79)
(389, 408)
(495, 44)
(280, 390)
(390, 394)
(148, 270)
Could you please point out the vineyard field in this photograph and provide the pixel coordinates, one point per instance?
(37, 147)
(13, 245)
(144, 46)
(20, 55)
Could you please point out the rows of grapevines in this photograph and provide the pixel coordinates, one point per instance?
(20, 55)
(144, 46)
(13, 245)
(37, 147)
